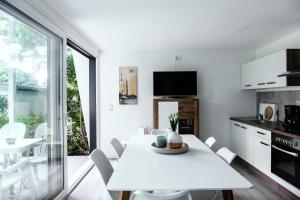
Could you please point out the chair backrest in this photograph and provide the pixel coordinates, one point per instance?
(41, 132)
(13, 130)
(105, 169)
(210, 141)
(226, 154)
(180, 195)
(160, 131)
(118, 147)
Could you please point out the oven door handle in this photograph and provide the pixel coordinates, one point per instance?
(285, 151)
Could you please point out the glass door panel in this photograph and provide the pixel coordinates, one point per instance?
(31, 139)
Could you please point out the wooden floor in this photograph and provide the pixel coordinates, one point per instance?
(262, 190)
(91, 187)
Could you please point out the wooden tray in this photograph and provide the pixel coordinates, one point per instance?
(183, 149)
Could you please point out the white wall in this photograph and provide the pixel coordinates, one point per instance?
(218, 89)
(287, 42)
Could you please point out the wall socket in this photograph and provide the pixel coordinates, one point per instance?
(298, 103)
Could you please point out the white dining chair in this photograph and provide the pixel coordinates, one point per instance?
(160, 131)
(14, 174)
(180, 195)
(118, 147)
(105, 168)
(210, 141)
(40, 153)
(226, 154)
(13, 130)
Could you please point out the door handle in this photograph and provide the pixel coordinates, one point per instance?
(248, 85)
(264, 144)
(285, 151)
(237, 125)
(273, 82)
(243, 127)
(261, 83)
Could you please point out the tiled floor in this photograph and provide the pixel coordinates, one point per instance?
(74, 164)
(91, 187)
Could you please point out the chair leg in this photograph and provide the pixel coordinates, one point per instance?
(19, 191)
(31, 184)
(215, 197)
(35, 171)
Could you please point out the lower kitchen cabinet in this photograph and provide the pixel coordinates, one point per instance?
(251, 144)
(262, 154)
(241, 140)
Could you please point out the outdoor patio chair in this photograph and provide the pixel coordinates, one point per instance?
(13, 130)
(18, 173)
(40, 153)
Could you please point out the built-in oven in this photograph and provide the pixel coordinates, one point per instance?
(286, 158)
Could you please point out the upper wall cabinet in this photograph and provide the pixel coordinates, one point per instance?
(263, 72)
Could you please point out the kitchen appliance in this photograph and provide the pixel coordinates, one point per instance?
(292, 118)
(292, 63)
(285, 160)
(268, 111)
(175, 83)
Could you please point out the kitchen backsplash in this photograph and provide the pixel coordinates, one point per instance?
(281, 98)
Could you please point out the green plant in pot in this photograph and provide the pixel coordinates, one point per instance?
(174, 140)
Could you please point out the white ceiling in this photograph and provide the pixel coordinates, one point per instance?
(180, 24)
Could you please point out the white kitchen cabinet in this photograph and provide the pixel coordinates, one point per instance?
(263, 72)
(251, 144)
(241, 140)
(248, 75)
(262, 154)
(276, 65)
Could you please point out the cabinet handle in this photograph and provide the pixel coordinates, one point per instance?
(243, 127)
(237, 125)
(261, 83)
(248, 85)
(271, 82)
(264, 144)
(260, 133)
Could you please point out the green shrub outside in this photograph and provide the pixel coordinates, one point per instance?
(31, 122)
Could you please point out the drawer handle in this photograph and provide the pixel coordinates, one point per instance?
(237, 125)
(260, 133)
(243, 127)
(248, 85)
(264, 144)
(261, 84)
(273, 82)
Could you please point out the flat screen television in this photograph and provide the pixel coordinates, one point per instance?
(175, 83)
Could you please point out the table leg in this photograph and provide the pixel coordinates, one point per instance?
(227, 194)
(125, 195)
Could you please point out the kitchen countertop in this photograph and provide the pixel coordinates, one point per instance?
(271, 126)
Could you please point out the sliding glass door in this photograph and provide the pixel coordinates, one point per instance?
(31, 136)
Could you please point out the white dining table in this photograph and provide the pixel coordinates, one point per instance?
(200, 168)
(20, 145)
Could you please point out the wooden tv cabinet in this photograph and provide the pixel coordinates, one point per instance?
(188, 110)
